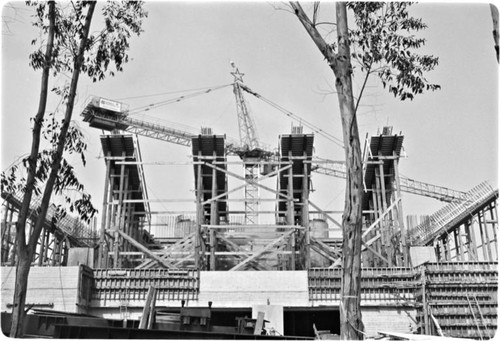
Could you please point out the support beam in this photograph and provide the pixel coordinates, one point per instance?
(254, 264)
(144, 249)
(380, 217)
(264, 250)
(243, 179)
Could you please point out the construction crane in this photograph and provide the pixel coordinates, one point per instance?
(110, 115)
(249, 151)
(105, 114)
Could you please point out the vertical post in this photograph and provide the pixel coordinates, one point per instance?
(102, 232)
(494, 225)
(481, 234)
(125, 219)
(55, 243)
(424, 303)
(46, 248)
(116, 228)
(305, 217)
(213, 216)
(111, 218)
(132, 223)
(402, 227)
(199, 216)
(5, 229)
(471, 240)
(291, 213)
(376, 213)
(6, 235)
(458, 244)
(126, 214)
(278, 190)
(384, 247)
(14, 248)
(461, 242)
(487, 241)
(438, 249)
(387, 223)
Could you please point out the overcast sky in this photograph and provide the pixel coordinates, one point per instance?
(451, 135)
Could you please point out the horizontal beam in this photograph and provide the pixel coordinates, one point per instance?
(253, 226)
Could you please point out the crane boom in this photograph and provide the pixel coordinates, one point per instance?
(109, 115)
(338, 170)
(246, 124)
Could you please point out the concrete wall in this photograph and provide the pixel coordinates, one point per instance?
(46, 285)
(246, 289)
(391, 319)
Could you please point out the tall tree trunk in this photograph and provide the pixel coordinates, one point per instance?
(58, 154)
(26, 252)
(351, 326)
(23, 264)
(21, 282)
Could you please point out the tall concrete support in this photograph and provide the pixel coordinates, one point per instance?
(384, 233)
(211, 204)
(125, 203)
(296, 148)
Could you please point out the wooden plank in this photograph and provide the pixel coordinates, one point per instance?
(151, 317)
(143, 323)
(259, 324)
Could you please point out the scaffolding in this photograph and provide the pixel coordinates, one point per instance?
(125, 211)
(384, 233)
(58, 236)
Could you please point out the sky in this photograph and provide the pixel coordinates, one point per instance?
(451, 135)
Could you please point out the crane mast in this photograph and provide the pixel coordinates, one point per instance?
(248, 135)
(249, 150)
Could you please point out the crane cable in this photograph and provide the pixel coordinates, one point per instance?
(174, 100)
(315, 129)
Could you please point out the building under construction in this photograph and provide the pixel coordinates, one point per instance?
(223, 271)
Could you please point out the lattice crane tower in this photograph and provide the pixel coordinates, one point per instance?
(249, 150)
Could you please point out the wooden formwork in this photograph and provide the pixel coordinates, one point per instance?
(131, 285)
(379, 286)
(461, 297)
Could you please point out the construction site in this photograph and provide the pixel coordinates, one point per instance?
(252, 256)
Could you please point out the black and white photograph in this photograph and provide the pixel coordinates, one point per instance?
(249, 170)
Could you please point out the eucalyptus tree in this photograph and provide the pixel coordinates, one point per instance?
(381, 44)
(65, 44)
